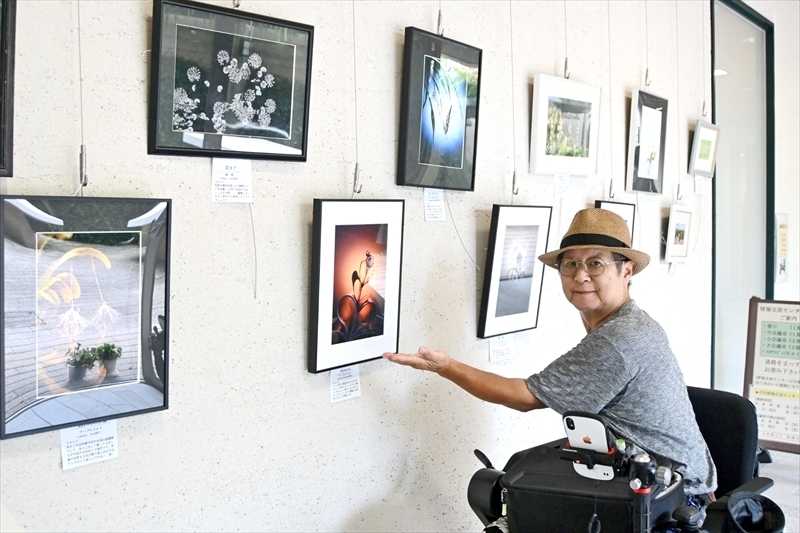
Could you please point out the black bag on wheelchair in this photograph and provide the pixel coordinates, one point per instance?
(543, 493)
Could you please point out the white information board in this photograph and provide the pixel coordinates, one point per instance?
(772, 372)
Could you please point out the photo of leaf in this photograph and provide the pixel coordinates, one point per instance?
(359, 281)
(443, 120)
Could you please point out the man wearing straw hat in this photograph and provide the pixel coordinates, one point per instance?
(623, 369)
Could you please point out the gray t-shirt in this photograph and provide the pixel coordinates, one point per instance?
(625, 371)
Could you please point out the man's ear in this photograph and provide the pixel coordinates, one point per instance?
(627, 269)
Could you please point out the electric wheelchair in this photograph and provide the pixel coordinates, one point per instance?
(540, 490)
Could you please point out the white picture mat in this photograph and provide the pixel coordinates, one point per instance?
(358, 213)
(517, 216)
(708, 132)
(544, 87)
(649, 143)
(680, 216)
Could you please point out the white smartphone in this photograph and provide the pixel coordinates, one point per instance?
(586, 431)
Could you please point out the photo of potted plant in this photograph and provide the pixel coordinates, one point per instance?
(108, 354)
(81, 360)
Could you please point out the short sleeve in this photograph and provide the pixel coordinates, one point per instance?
(587, 378)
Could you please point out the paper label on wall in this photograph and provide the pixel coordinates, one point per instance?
(782, 248)
(345, 383)
(89, 443)
(699, 185)
(434, 205)
(501, 348)
(231, 180)
(560, 185)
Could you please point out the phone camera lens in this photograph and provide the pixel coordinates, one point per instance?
(570, 423)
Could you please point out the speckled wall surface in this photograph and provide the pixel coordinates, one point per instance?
(251, 441)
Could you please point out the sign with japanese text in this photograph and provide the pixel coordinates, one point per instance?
(772, 372)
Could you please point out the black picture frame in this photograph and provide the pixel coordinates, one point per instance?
(356, 272)
(226, 83)
(82, 277)
(648, 132)
(625, 210)
(440, 92)
(513, 276)
(8, 12)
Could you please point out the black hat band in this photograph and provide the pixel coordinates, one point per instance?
(592, 238)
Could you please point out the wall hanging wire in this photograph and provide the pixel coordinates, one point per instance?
(357, 185)
(514, 187)
(83, 176)
(611, 193)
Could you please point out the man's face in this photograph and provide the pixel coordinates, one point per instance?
(601, 295)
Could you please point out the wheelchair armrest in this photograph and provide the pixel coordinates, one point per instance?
(757, 485)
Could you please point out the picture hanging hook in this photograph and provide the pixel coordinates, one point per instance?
(611, 193)
(84, 177)
(704, 108)
(439, 27)
(647, 77)
(236, 4)
(514, 188)
(356, 182)
(679, 196)
(566, 67)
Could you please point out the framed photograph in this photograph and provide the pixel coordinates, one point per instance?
(647, 140)
(85, 290)
(704, 149)
(8, 14)
(226, 83)
(564, 126)
(679, 232)
(356, 263)
(512, 282)
(438, 112)
(626, 211)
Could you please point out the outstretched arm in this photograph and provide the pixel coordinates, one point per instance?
(511, 392)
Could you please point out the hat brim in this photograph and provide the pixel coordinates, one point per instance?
(640, 259)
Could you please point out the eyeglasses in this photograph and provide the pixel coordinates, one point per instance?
(594, 266)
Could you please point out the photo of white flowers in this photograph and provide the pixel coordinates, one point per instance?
(226, 83)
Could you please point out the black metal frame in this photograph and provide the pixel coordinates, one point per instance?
(493, 323)
(70, 215)
(360, 348)
(7, 38)
(640, 100)
(753, 16)
(161, 106)
(418, 45)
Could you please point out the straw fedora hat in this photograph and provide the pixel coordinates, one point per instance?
(598, 228)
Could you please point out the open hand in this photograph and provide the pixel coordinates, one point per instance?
(425, 359)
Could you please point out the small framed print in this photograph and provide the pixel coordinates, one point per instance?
(679, 232)
(704, 149)
(85, 292)
(564, 126)
(647, 140)
(438, 112)
(226, 83)
(512, 282)
(626, 211)
(356, 262)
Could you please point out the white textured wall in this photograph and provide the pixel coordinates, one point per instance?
(250, 441)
